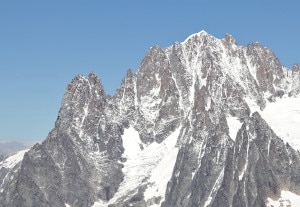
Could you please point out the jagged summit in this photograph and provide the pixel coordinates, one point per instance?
(230, 39)
(190, 128)
(296, 68)
(196, 35)
(204, 36)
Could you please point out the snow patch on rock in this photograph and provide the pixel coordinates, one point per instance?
(287, 199)
(234, 125)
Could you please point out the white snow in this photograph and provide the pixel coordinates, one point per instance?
(284, 118)
(11, 161)
(208, 103)
(67, 205)
(163, 172)
(287, 199)
(152, 165)
(252, 105)
(234, 125)
(131, 143)
(199, 34)
(242, 173)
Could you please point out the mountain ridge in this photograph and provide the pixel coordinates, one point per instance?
(205, 90)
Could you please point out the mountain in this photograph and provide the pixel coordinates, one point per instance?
(7, 148)
(194, 126)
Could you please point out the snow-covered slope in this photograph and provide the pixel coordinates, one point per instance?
(150, 165)
(12, 160)
(283, 116)
(9, 166)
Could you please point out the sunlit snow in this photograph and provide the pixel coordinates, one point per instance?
(287, 199)
(234, 125)
(163, 172)
(284, 118)
(199, 34)
(11, 161)
(154, 163)
(131, 143)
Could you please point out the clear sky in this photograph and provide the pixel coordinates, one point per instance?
(44, 44)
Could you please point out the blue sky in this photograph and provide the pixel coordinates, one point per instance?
(44, 44)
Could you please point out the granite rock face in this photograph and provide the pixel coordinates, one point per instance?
(164, 138)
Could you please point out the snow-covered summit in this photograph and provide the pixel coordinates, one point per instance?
(196, 35)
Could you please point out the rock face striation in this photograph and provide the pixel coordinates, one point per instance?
(184, 130)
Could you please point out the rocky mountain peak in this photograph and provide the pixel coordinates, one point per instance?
(296, 68)
(184, 130)
(229, 39)
(96, 83)
(197, 36)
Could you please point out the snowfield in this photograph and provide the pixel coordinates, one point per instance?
(11, 161)
(153, 163)
(283, 116)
